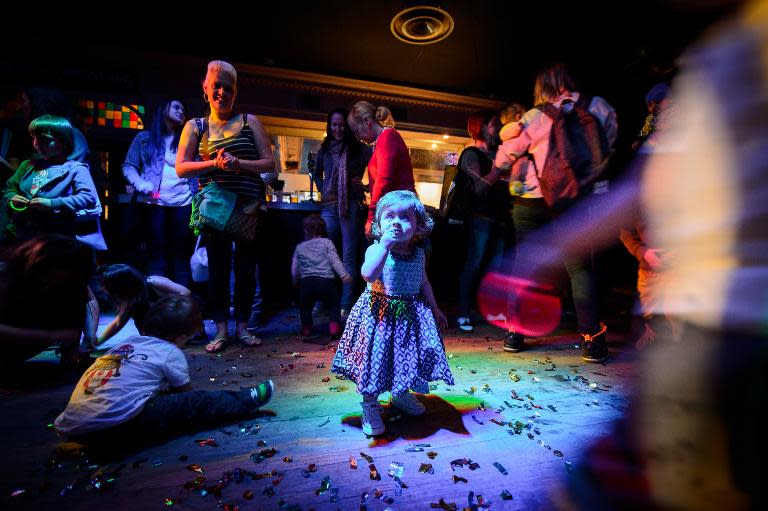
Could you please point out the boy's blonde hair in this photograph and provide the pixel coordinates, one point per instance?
(364, 110)
(511, 113)
(424, 222)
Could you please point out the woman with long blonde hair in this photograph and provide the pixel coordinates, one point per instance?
(390, 167)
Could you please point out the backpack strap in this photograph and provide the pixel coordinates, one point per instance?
(549, 110)
(584, 101)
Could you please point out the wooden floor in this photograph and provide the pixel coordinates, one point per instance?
(313, 424)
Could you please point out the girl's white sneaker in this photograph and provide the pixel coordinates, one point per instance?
(409, 404)
(371, 418)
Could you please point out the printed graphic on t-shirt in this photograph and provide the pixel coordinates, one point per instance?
(104, 369)
(39, 178)
(108, 366)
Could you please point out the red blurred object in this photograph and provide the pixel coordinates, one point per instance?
(520, 305)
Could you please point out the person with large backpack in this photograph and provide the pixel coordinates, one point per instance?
(568, 137)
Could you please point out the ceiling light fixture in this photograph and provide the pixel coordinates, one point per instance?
(422, 24)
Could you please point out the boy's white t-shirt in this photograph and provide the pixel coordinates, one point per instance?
(116, 387)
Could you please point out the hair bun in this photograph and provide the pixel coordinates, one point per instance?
(384, 117)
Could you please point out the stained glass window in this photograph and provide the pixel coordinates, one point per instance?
(113, 115)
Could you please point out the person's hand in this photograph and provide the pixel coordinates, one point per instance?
(440, 319)
(502, 171)
(389, 238)
(123, 308)
(347, 279)
(19, 201)
(653, 256)
(40, 203)
(144, 186)
(70, 356)
(368, 232)
(90, 342)
(227, 161)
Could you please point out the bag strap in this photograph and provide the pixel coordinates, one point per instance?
(202, 137)
(197, 244)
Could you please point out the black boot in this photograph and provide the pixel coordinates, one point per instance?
(514, 342)
(593, 347)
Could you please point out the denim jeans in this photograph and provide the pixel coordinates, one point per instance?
(220, 262)
(170, 241)
(485, 242)
(344, 233)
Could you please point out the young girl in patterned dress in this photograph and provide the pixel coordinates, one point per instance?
(392, 339)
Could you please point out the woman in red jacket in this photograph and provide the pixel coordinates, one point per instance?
(390, 167)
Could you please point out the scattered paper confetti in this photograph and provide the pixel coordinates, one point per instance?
(195, 468)
(395, 470)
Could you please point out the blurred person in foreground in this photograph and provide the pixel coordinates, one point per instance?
(693, 438)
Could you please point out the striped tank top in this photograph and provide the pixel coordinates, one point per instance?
(243, 146)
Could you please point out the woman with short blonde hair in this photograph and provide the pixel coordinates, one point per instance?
(231, 149)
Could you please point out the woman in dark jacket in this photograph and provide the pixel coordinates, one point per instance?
(341, 163)
(489, 208)
(164, 198)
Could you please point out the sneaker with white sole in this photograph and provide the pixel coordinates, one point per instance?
(464, 324)
(262, 393)
(408, 403)
(371, 418)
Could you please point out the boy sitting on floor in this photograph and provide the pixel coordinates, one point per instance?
(121, 396)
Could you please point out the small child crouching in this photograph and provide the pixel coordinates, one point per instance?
(314, 268)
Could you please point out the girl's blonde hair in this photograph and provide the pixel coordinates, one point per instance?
(363, 110)
(424, 222)
(223, 68)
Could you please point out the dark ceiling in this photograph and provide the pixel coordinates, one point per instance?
(495, 50)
